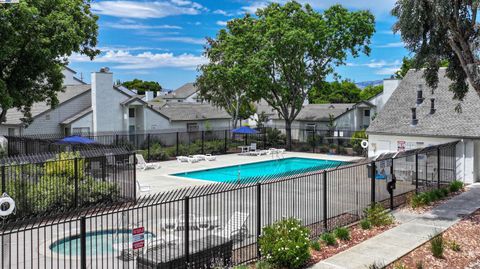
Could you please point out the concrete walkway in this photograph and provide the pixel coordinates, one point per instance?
(413, 231)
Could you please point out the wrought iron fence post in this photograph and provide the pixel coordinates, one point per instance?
(186, 229)
(392, 186)
(264, 138)
(134, 170)
(372, 180)
(259, 216)
(438, 167)
(176, 149)
(83, 242)
(75, 171)
(148, 147)
(203, 142)
(313, 144)
(116, 140)
(325, 201)
(226, 142)
(416, 172)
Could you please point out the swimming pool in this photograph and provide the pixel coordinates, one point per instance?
(98, 242)
(246, 172)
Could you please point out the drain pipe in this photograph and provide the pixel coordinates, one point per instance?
(464, 159)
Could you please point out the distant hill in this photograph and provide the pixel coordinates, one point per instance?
(364, 84)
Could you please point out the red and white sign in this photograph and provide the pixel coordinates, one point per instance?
(401, 145)
(138, 238)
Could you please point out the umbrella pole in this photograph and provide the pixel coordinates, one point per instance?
(246, 139)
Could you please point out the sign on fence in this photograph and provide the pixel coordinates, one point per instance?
(138, 238)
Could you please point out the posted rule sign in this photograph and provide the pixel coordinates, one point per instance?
(138, 237)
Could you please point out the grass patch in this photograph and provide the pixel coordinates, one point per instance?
(329, 239)
(455, 186)
(315, 245)
(377, 215)
(365, 224)
(455, 246)
(342, 233)
(437, 246)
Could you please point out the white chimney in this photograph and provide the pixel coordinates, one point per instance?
(389, 86)
(102, 87)
(149, 96)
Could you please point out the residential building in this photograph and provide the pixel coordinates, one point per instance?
(187, 93)
(101, 107)
(417, 116)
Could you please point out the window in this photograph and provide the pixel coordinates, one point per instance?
(11, 131)
(131, 112)
(366, 113)
(179, 101)
(192, 127)
(81, 130)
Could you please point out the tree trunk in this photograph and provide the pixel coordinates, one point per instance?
(288, 132)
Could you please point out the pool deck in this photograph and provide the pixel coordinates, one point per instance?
(160, 180)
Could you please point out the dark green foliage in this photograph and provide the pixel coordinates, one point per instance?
(370, 91)
(437, 246)
(334, 92)
(455, 246)
(142, 86)
(356, 141)
(365, 224)
(342, 233)
(275, 137)
(426, 198)
(263, 265)
(455, 186)
(285, 244)
(329, 239)
(36, 37)
(377, 215)
(315, 245)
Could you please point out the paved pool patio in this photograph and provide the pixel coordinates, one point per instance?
(160, 180)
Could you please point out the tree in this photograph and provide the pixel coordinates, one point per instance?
(226, 80)
(407, 64)
(443, 30)
(370, 91)
(36, 37)
(297, 47)
(334, 92)
(142, 86)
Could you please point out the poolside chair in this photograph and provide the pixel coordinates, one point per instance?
(142, 164)
(143, 188)
(205, 157)
(253, 147)
(235, 229)
(185, 159)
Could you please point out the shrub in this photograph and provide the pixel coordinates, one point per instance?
(365, 224)
(64, 165)
(263, 265)
(328, 239)
(455, 246)
(285, 244)
(455, 186)
(378, 216)
(444, 191)
(437, 246)
(356, 141)
(342, 233)
(315, 245)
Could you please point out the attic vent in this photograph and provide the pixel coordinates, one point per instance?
(414, 116)
(420, 95)
(432, 106)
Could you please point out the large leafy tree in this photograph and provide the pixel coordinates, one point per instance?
(227, 79)
(334, 92)
(142, 86)
(299, 47)
(442, 31)
(36, 37)
(370, 91)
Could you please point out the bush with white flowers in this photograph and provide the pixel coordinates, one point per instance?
(285, 244)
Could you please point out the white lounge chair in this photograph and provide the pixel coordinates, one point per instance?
(276, 152)
(205, 157)
(258, 152)
(185, 159)
(142, 164)
(235, 229)
(253, 147)
(143, 188)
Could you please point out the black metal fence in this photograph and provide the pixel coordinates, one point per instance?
(218, 225)
(55, 182)
(158, 146)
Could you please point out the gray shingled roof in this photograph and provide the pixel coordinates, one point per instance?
(77, 116)
(191, 111)
(395, 118)
(310, 112)
(183, 92)
(14, 116)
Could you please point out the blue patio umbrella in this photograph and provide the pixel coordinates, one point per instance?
(244, 130)
(75, 140)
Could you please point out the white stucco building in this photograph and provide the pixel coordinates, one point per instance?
(417, 116)
(101, 107)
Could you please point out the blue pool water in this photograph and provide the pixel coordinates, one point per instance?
(244, 172)
(98, 242)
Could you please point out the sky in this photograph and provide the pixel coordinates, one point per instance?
(163, 40)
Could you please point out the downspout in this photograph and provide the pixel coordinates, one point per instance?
(464, 160)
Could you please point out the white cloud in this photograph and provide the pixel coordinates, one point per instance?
(122, 59)
(380, 8)
(121, 25)
(222, 12)
(222, 23)
(144, 10)
(380, 67)
(182, 39)
(387, 71)
(125, 48)
(391, 45)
